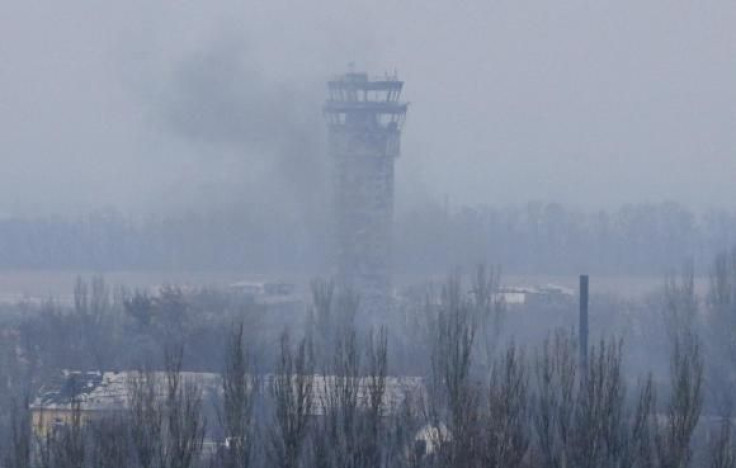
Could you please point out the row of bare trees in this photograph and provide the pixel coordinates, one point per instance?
(548, 410)
(324, 401)
(530, 412)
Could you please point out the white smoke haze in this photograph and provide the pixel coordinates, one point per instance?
(150, 106)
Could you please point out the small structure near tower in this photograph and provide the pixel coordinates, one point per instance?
(365, 117)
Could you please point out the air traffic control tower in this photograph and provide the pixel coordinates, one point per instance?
(365, 118)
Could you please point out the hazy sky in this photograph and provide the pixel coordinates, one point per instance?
(150, 104)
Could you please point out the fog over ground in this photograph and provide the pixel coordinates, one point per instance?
(150, 106)
(176, 291)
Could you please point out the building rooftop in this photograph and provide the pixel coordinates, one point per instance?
(110, 391)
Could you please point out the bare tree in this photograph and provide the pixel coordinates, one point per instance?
(14, 399)
(401, 447)
(183, 419)
(332, 315)
(721, 448)
(239, 385)
(556, 372)
(641, 449)
(171, 314)
(455, 398)
(95, 323)
(350, 430)
(721, 326)
(65, 446)
(507, 425)
(110, 442)
(19, 452)
(673, 441)
(373, 432)
(321, 313)
(585, 421)
(680, 303)
(291, 390)
(140, 307)
(340, 418)
(600, 429)
(490, 309)
(146, 417)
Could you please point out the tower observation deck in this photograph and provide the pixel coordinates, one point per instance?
(365, 117)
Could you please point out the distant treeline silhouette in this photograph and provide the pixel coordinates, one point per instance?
(533, 238)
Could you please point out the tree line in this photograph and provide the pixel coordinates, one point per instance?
(533, 238)
(485, 401)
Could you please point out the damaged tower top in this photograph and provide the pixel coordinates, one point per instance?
(365, 118)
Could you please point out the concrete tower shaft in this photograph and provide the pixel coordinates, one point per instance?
(365, 118)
